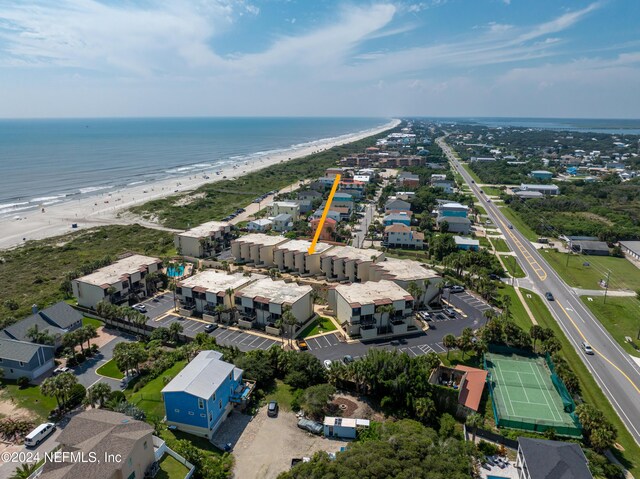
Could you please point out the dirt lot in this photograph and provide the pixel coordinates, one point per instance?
(267, 445)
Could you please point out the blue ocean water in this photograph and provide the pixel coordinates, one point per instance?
(49, 161)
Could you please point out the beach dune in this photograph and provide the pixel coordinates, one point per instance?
(107, 208)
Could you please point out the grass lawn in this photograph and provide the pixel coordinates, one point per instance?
(480, 209)
(149, 398)
(170, 468)
(317, 326)
(500, 245)
(624, 275)
(110, 369)
(484, 242)
(591, 392)
(28, 398)
(492, 191)
(282, 393)
(95, 322)
(520, 225)
(513, 266)
(620, 317)
(475, 177)
(518, 313)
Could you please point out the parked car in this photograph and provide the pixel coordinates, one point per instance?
(586, 347)
(457, 289)
(272, 409)
(140, 307)
(494, 277)
(348, 359)
(311, 426)
(327, 364)
(549, 296)
(302, 344)
(210, 327)
(61, 369)
(39, 434)
(449, 312)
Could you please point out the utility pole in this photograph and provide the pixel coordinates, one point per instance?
(606, 287)
(568, 254)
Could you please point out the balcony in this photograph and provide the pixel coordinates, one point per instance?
(369, 332)
(398, 326)
(246, 322)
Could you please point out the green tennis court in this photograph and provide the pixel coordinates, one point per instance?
(528, 395)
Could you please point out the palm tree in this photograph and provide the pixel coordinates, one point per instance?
(50, 388)
(174, 331)
(536, 332)
(289, 320)
(474, 421)
(38, 336)
(98, 394)
(91, 332)
(384, 309)
(24, 471)
(506, 306)
(449, 342)
(415, 291)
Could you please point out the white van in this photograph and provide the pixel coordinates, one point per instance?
(39, 434)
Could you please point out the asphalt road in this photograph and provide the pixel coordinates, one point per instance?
(614, 371)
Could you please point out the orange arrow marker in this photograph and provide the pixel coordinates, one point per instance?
(334, 188)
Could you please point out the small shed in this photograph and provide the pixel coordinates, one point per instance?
(343, 427)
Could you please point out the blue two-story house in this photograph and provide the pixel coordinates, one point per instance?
(200, 397)
(22, 358)
(397, 218)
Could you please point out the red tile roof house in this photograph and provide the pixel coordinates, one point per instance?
(467, 380)
(328, 228)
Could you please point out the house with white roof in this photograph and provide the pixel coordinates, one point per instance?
(285, 207)
(260, 225)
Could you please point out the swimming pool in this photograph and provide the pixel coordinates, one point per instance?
(175, 271)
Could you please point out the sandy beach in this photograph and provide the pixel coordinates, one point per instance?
(107, 208)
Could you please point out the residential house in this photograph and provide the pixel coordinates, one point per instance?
(468, 381)
(200, 397)
(22, 358)
(438, 177)
(402, 236)
(285, 207)
(331, 214)
(467, 244)
(122, 446)
(204, 291)
(455, 224)
(346, 263)
(544, 189)
(353, 187)
(363, 178)
(447, 186)
(343, 200)
(541, 174)
(263, 303)
(310, 195)
(362, 308)
(344, 212)
(408, 180)
(256, 248)
(117, 282)
(397, 204)
(328, 228)
(397, 218)
(447, 210)
(204, 240)
(543, 459)
(306, 206)
(282, 222)
(404, 195)
(344, 427)
(56, 321)
(403, 272)
(294, 256)
(333, 172)
(631, 249)
(260, 225)
(528, 195)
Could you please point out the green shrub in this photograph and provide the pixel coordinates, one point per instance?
(22, 382)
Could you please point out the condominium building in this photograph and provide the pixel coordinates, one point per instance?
(346, 263)
(404, 272)
(294, 256)
(204, 291)
(117, 282)
(204, 240)
(256, 248)
(263, 302)
(372, 308)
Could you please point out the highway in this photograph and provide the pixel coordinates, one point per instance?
(615, 372)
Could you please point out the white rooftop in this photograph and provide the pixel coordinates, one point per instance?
(114, 272)
(371, 291)
(202, 376)
(216, 281)
(349, 252)
(262, 221)
(277, 292)
(461, 240)
(406, 270)
(302, 246)
(261, 239)
(285, 204)
(453, 204)
(206, 229)
(345, 421)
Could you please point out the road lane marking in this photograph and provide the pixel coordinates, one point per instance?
(598, 352)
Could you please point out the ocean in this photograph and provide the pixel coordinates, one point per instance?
(43, 162)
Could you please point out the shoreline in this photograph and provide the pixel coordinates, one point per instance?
(103, 208)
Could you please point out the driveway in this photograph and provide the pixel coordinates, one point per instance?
(86, 372)
(8, 468)
(264, 446)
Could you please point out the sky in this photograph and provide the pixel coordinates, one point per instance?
(139, 58)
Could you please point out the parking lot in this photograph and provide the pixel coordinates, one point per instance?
(326, 341)
(470, 305)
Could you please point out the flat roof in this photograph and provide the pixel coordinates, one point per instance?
(117, 271)
(217, 282)
(463, 240)
(345, 421)
(631, 245)
(205, 229)
(287, 204)
(349, 252)
(261, 239)
(453, 204)
(405, 269)
(372, 292)
(277, 292)
(302, 246)
(540, 187)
